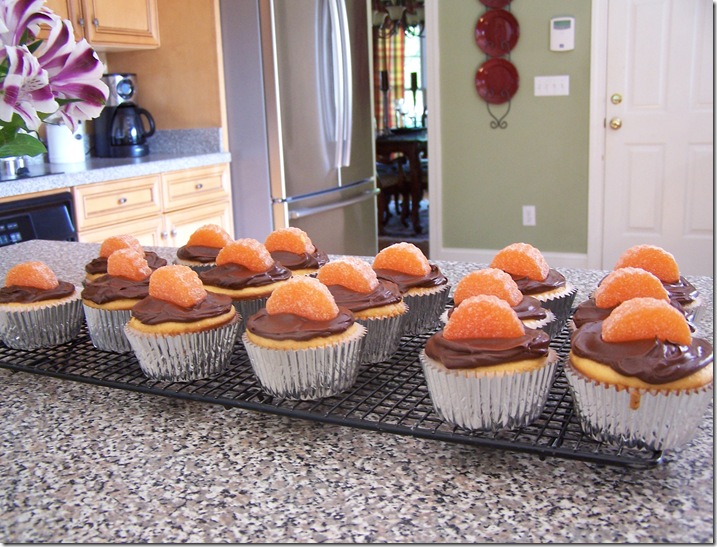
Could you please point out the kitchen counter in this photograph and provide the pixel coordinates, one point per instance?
(85, 463)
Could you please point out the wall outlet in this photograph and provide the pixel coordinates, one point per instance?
(528, 215)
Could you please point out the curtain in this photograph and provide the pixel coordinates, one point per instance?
(388, 56)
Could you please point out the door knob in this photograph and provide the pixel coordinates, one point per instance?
(616, 123)
(616, 98)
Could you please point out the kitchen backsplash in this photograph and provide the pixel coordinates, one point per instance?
(182, 141)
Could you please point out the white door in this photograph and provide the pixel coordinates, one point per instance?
(658, 171)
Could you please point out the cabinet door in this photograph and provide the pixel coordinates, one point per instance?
(66, 9)
(190, 187)
(179, 225)
(147, 231)
(112, 25)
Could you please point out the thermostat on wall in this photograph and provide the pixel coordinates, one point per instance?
(562, 33)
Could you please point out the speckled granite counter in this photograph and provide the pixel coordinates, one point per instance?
(85, 463)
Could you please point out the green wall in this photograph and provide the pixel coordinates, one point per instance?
(540, 159)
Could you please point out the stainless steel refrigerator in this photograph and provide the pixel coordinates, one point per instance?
(300, 120)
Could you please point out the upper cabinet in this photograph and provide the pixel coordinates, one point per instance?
(112, 25)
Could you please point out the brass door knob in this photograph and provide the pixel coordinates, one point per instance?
(616, 98)
(616, 123)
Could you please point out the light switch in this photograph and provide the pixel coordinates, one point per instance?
(551, 85)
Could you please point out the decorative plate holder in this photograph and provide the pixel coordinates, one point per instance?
(496, 34)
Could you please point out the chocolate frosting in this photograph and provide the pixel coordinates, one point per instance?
(386, 293)
(652, 361)
(152, 311)
(108, 288)
(294, 261)
(555, 280)
(408, 281)
(99, 265)
(287, 326)
(235, 276)
(26, 295)
(588, 312)
(482, 352)
(198, 253)
(528, 309)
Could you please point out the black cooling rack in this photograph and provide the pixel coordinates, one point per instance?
(390, 397)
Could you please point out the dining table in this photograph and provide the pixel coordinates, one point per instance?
(411, 142)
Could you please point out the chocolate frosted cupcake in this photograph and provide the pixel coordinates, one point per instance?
(108, 299)
(98, 266)
(424, 288)
(245, 272)
(36, 309)
(376, 304)
(201, 250)
(293, 249)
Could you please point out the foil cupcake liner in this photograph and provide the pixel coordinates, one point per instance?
(424, 311)
(106, 328)
(488, 402)
(561, 304)
(184, 357)
(383, 336)
(247, 308)
(199, 268)
(660, 421)
(41, 325)
(307, 374)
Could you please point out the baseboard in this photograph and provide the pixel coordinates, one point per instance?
(484, 256)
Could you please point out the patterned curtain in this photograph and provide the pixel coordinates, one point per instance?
(388, 56)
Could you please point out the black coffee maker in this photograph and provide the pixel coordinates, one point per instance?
(119, 130)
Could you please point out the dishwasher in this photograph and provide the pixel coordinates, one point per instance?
(44, 217)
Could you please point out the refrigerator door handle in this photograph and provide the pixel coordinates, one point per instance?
(347, 78)
(338, 58)
(308, 211)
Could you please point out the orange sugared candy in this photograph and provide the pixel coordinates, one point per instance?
(128, 263)
(350, 272)
(402, 257)
(488, 281)
(483, 316)
(177, 284)
(210, 235)
(31, 274)
(654, 259)
(291, 239)
(246, 252)
(626, 283)
(521, 260)
(303, 296)
(646, 319)
(113, 243)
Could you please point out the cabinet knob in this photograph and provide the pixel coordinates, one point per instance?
(81, 22)
(173, 231)
(96, 22)
(164, 235)
(199, 186)
(121, 201)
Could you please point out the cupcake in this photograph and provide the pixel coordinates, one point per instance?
(424, 288)
(376, 304)
(245, 272)
(201, 250)
(36, 309)
(293, 249)
(485, 370)
(108, 299)
(528, 268)
(498, 283)
(98, 266)
(302, 345)
(181, 332)
(638, 377)
(664, 266)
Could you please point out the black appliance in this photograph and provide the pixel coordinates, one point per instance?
(46, 217)
(120, 130)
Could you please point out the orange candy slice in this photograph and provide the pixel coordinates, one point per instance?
(210, 235)
(112, 244)
(128, 263)
(246, 252)
(626, 283)
(350, 272)
(303, 296)
(177, 284)
(291, 239)
(402, 257)
(521, 260)
(488, 281)
(483, 316)
(31, 274)
(645, 319)
(653, 259)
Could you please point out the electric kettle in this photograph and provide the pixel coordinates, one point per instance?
(128, 135)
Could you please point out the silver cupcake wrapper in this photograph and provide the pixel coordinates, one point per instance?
(694, 310)
(383, 336)
(247, 308)
(184, 357)
(488, 402)
(560, 305)
(41, 326)
(307, 374)
(424, 311)
(663, 420)
(106, 328)
(199, 268)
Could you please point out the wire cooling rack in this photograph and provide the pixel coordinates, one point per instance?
(390, 396)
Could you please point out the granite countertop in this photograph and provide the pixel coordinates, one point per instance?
(86, 463)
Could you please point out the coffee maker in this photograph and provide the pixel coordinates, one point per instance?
(119, 129)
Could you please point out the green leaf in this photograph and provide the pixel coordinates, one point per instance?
(22, 145)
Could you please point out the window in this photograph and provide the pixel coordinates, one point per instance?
(413, 63)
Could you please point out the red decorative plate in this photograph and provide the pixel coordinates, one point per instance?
(497, 81)
(497, 32)
(495, 3)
